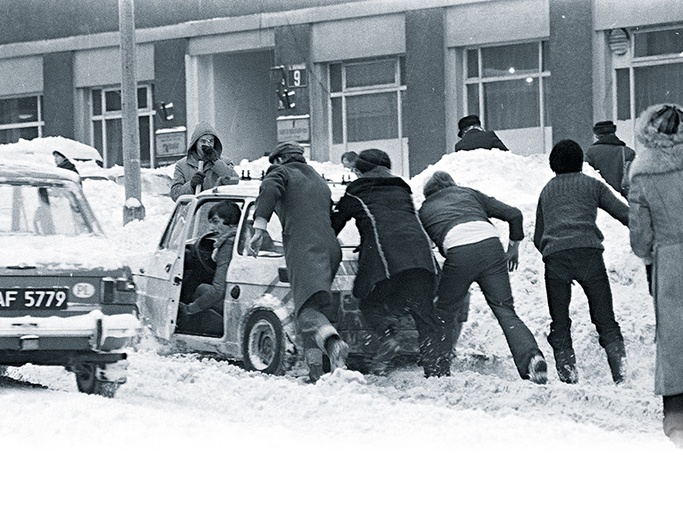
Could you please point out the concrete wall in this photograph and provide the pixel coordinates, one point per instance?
(169, 80)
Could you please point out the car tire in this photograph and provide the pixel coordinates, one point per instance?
(263, 347)
(87, 383)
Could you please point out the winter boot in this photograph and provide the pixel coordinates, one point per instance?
(388, 348)
(565, 362)
(538, 370)
(337, 351)
(616, 357)
(314, 361)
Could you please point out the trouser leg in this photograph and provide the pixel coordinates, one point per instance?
(558, 292)
(673, 418)
(314, 329)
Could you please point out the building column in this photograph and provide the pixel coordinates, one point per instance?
(58, 94)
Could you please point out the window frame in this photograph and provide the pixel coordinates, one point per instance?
(39, 123)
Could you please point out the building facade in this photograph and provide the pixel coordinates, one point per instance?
(338, 75)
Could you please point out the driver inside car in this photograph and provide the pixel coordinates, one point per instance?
(204, 314)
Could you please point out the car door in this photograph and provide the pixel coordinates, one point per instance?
(159, 281)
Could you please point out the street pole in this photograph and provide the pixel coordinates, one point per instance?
(133, 208)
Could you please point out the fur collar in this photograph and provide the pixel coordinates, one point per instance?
(660, 153)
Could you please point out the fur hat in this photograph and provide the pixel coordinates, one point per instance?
(286, 148)
(660, 126)
(466, 122)
(604, 127)
(371, 158)
(566, 157)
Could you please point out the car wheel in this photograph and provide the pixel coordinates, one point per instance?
(87, 383)
(263, 348)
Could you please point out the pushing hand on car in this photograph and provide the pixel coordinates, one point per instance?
(255, 242)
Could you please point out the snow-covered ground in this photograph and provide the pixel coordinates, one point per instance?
(193, 437)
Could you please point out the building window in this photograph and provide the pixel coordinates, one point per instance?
(655, 74)
(366, 100)
(508, 85)
(107, 125)
(21, 118)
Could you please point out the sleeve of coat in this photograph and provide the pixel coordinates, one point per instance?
(342, 212)
(538, 227)
(510, 214)
(611, 204)
(272, 188)
(225, 172)
(497, 143)
(641, 233)
(179, 186)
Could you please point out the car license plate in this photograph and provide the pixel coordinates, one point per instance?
(27, 299)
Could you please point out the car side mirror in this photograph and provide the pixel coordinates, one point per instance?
(283, 274)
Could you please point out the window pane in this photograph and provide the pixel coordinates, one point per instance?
(112, 101)
(381, 72)
(545, 55)
(658, 42)
(142, 97)
(97, 137)
(473, 63)
(97, 102)
(473, 99)
(510, 59)
(658, 84)
(114, 143)
(512, 104)
(337, 122)
(335, 77)
(143, 124)
(402, 70)
(546, 103)
(372, 116)
(12, 135)
(18, 110)
(623, 95)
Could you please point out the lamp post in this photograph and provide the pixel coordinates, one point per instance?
(133, 208)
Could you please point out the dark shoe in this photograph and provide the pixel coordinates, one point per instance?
(616, 357)
(337, 351)
(538, 370)
(388, 349)
(315, 372)
(565, 362)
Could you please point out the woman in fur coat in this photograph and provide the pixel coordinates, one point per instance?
(656, 231)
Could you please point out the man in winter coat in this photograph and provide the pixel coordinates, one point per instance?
(223, 219)
(656, 229)
(473, 136)
(397, 272)
(610, 156)
(202, 167)
(302, 200)
(457, 220)
(568, 237)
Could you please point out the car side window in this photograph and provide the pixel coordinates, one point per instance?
(272, 241)
(173, 235)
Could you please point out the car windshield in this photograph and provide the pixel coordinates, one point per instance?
(41, 210)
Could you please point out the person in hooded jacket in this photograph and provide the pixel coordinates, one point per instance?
(302, 200)
(397, 272)
(473, 136)
(202, 167)
(610, 156)
(457, 220)
(656, 233)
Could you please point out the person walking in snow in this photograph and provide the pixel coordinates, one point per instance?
(473, 136)
(397, 272)
(568, 237)
(656, 232)
(202, 167)
(456, 218)
(302, 200)
(610, 156)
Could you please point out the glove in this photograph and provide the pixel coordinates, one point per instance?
(210, 154)
(197, 179)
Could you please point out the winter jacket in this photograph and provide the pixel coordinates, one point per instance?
(567, 211)
(448, 207)
(656, 231)
(302, 200)
(475, 138)
(392, 239)
(216, 173)
(607, 155)
(222, 254)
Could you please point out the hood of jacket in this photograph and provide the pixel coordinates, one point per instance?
(661, 153)
(201, 129)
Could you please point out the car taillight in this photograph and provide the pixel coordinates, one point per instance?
(117, 290)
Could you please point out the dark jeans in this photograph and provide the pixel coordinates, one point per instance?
(586, 266)
(411, 292)
(484, 263)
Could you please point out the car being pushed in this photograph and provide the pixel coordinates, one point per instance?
(65, 299)
(255, 325)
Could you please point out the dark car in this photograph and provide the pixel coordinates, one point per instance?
(65, 299)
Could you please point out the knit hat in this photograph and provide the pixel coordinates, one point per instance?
(604, 127)
(285, 148)
(371, 158)
(566, 157)
(466, 122)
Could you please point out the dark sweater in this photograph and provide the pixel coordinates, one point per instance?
(567, 210)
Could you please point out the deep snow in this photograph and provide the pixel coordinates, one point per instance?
(192, 437)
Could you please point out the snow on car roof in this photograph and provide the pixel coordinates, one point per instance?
(30, 170)
(250, 188)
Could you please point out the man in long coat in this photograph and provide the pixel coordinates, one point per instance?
(302, 200)
(473, 136)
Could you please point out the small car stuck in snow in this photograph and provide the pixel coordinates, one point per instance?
(65, 299)
(255, 325)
